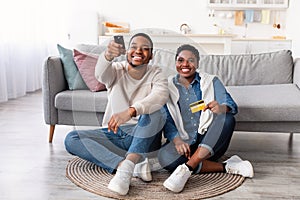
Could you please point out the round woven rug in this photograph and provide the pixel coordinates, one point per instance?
(95, 179)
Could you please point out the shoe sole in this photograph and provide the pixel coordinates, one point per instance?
(171, 187)
(117, 189)
(145, 179)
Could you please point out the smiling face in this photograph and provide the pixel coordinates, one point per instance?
(139, 52)
(186, 65)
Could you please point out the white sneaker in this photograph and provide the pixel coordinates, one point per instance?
(143, 171)
(235, 165)
(154, 164)
(121, 181)
(234, 158)
(178, 178)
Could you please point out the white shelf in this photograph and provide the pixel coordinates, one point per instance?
(208, 43)
(212, 43)
(248, 4)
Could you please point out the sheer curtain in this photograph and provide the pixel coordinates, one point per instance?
(29, 32)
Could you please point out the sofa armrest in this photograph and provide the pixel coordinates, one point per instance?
(53, 82)
(296, 75)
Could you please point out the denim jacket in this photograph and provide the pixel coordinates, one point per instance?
(174, 125)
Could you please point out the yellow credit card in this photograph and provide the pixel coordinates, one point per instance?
(197, 106)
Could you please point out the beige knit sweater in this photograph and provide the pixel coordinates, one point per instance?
(146, 95)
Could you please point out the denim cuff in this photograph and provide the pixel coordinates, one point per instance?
(207, 147)
(233, 109)
(198, 169)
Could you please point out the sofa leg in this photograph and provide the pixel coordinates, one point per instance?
(291, 143)
(51, 133)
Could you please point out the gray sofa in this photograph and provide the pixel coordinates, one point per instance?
(265, 87)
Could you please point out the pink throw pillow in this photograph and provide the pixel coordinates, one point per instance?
(86, 65)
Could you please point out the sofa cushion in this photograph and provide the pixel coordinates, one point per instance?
(267, 102)
(71, 72)
(250, 69)
(86, 65)
(81, 100)
(90, 48)
(165, 59)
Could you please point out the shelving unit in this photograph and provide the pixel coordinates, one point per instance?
(209, 43)
(248, 4)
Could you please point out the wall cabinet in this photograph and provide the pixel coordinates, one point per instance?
(259, 46)
(247, 4)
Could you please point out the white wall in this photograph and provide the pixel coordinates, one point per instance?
(78, 21)
(170, 14)
(293, 31)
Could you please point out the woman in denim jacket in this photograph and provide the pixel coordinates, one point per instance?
(198, 133)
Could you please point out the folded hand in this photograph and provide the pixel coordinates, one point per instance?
(118, 119)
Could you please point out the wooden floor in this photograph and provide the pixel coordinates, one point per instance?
(33, 169)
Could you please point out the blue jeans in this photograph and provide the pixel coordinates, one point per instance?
(108, 149)
(216, 140)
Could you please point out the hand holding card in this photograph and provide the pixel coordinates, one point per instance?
(197, 106)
